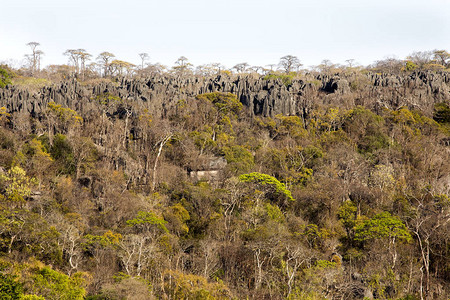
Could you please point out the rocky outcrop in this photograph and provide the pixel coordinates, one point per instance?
(160, 94)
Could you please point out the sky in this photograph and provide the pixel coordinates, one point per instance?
(258, 32)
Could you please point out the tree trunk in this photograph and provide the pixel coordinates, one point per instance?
(155, 166)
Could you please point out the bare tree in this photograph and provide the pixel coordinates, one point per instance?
(156, 68)
(350, 62)
(164, 139)
(34, 57)
(326, 66)
(271, 66)
(144, 57)
(389, 64)
(257, 69)
(421, 58)
(217, 67)
(290, 63)
(429, 220)
(182, 61)
(38, 54)
(73, 58)
(241, 68)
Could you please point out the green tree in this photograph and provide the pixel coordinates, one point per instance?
(55, 285)
(62, 152)
(10, 288)
(442, 113)
(148, 222)
(383, 226)
(239, 159)
(273, 187)
(17, 184)
(410, 66)
(5, 78)
(347, 215)
(226, 104)
(189, 286)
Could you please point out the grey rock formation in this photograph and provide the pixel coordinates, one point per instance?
(160, 94)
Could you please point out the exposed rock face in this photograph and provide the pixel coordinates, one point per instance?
(160, 94)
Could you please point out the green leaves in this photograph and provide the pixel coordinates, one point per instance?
(10, 289)
(225, 103)
(285, 78)
(5, 78)
(239, 159)
(109, 238)
(189, 286)
(441, 113)
(64, 114)
(18, 184)
(55, 285)
(148, 220)
(381, 226)
(269, 182)
(347, 215)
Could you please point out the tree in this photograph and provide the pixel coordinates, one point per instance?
(121, 68)
(217, 67)
(104, 60)
(209, 69)
(441, 56)
(164, 140)
(84, 56)
(189, 286)
(429, 222)
(384, 226)
(10, 289)
(421, 58)
(61, 119)
(289, 63)
(35, 57)
(5, 77)
(149, 223)
(347, 213)
(74, 58)
(295, 255)
(38, 54)
(136, 252)
(269, 183)
(271, 66)
(17, 185)
(78, 57)
(55, 285)
(326, 66)
(241, 68)
(144, 57)
(182, 65)
(350, 62)
(410, 66)
(182, 61)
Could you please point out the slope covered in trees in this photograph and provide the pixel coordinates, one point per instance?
(283, 186)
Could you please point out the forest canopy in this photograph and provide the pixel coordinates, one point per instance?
(137, 183)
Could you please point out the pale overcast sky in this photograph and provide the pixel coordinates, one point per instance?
(258, 32)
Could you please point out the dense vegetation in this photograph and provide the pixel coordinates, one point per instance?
(209, 203)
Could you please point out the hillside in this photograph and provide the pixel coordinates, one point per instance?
(232, 186)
